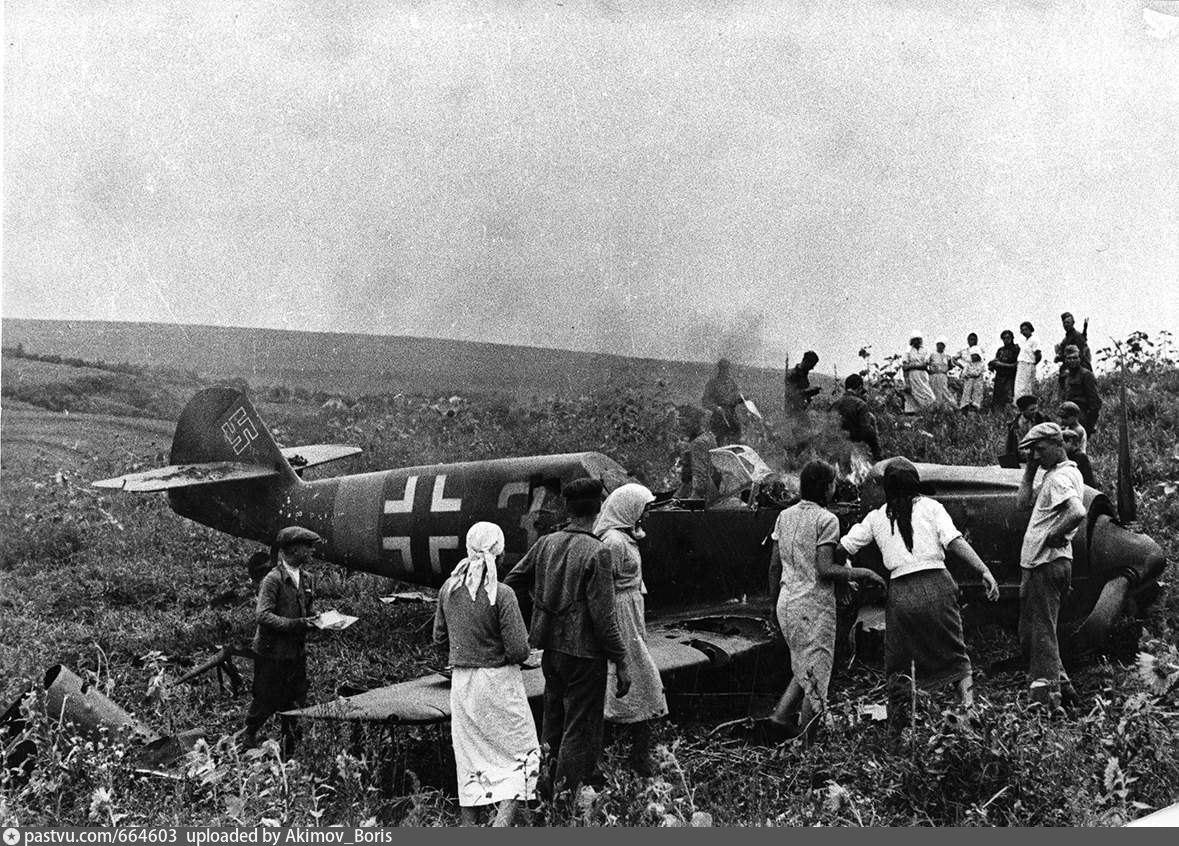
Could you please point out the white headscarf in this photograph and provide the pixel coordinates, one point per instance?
(623, 509)
(484, 542)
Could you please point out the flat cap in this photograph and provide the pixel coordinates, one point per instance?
(583, 490)
(295, 534)
(1042, 432)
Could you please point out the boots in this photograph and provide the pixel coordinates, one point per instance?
(642, 759)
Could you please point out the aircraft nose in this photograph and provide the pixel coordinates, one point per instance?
(1125, 560)
(1114, 549)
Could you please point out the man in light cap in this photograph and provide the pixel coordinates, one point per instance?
(1046, 558)
(284, 618)
(571, 577)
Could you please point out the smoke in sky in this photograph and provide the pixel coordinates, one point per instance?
(679, 180)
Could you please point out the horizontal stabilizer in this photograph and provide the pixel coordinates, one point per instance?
(186, 476)
(302, 457)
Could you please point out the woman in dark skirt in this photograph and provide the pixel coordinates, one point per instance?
(923, 625)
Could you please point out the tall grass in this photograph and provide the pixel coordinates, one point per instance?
(119, 588)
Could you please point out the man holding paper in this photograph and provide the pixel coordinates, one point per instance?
(284, 618)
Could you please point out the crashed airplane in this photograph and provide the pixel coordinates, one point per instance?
(704, 564)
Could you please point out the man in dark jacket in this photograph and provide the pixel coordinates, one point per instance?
(571, 577)
(1078, 385)
(855, 417)
(1072, 337)
(284, 617)
(799, 392)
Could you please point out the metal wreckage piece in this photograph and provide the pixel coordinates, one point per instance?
(84, 710)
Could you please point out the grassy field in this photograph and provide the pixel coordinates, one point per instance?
(130, 596)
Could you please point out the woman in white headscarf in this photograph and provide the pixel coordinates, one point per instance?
(915, 364)
(618, 525)
(496, 753)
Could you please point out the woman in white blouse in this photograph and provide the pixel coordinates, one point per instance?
(923, 629)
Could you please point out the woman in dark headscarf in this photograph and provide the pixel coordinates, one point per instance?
(923, 629)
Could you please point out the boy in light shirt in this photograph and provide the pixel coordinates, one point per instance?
(1046, 558)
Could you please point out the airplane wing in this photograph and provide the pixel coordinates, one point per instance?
(692, 643)
(186, 475)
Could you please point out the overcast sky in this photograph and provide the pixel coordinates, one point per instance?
(676, 180)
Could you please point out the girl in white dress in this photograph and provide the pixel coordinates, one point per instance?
(915, 364)
(1025, 365)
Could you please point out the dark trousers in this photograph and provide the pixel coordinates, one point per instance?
(1004, 389)
(279, 685)
(1041, 591)
(574, 696)
(922, 633)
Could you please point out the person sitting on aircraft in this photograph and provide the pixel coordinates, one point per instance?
(496, 753)
(721, 398)
(284, 617)
(802, 581)
(571, 576)
(1046, 558)
(923, 624)
(620, 528)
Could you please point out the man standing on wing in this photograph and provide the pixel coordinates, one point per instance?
(284, 618)
(1046, 559)
(571, 576)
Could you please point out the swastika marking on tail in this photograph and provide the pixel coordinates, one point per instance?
(239, 431)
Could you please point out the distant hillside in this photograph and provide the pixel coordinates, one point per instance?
(356, 364)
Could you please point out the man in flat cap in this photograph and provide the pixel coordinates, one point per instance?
(1057, 511)
(571, 578)
(284, 618)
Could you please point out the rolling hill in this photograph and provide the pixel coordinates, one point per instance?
(355, 364)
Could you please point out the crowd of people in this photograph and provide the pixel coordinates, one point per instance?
(928, 382)
(923, 631)
(584, 584)
(1015, 369)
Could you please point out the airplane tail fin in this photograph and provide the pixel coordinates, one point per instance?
(221, 425)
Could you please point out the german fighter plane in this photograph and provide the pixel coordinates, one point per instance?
(705, 567)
